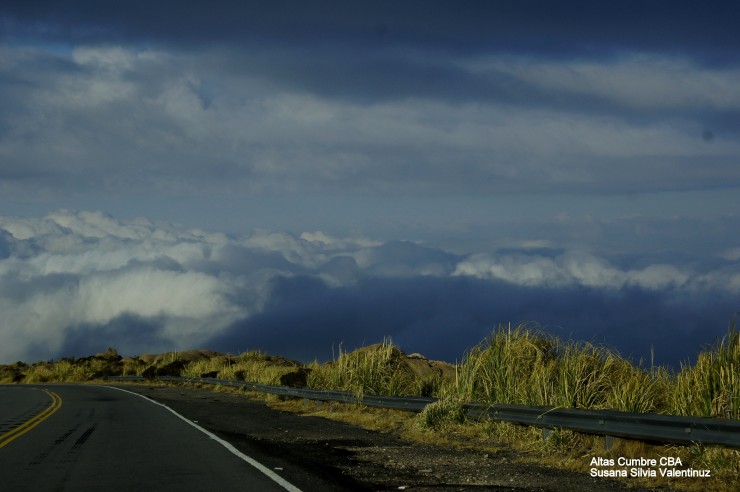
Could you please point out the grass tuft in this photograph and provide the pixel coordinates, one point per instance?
(373, 370)
(442, 414)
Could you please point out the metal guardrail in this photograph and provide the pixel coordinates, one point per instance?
(408, 403)
(612, 423)
(609, 423)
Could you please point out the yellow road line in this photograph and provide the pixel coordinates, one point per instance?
(12, 435)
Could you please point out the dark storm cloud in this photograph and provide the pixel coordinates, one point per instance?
(137, 333)
(332, 51)
(443, 317)
(392, 49)
(539, 26)
(180, 100)
(389, 76)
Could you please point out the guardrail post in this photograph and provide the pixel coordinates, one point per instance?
(608, 442)
(546, 431)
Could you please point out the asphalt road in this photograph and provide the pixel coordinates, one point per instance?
(84, 437)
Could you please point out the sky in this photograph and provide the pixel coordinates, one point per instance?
(299, 176)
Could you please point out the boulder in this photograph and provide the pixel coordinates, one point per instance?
(295, 379)
(172, 369)
(150, 372)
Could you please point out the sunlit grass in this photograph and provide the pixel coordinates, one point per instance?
(711, 387)
(66, 371)
(374, 370)
(254, 367)
(525, 367)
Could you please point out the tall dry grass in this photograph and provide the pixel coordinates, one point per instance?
(253, 366)
(374, 370)
(66, 371)
(711, 387)
(527, 367)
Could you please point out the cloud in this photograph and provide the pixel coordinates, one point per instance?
(217, 121)
(86, 272)
(531, 26)
(518, 149)
(76, 282)
(442, 317)
(571, 268)
(637, 81)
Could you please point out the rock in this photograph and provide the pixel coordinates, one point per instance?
(295, 379)
(172, 369)
(422, 367)
(150, 372)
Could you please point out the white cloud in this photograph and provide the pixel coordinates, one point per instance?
(332, 242)
(85, 271)
(659, 277)
(106, 268)
(568, 269)
(530, 272)
(73, 269)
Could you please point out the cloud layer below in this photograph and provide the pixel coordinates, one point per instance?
(74, 283)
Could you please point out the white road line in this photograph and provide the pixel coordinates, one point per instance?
(274, 476)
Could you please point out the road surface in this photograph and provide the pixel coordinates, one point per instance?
(86, 437)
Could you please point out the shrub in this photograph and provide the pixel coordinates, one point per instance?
(442, 413)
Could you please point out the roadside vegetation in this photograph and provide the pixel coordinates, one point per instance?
(519, 365)
(522, 366)
(382, 369)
